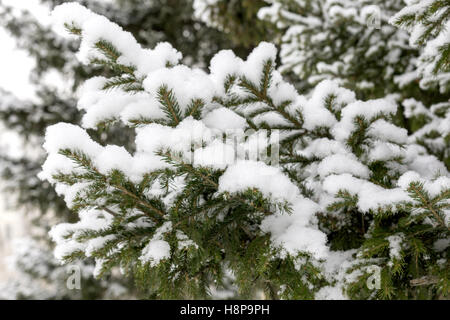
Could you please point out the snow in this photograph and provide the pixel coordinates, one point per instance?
(297, 238)
(202, 11)
(386, 131)
(366, 109)
(147, 108)
(15, 71)
(314, 112)
(97, 243)
(309, 27)
(338, 11)
(322, 148)
(441, 244)
(330, 293)
(224, 119)
(381, 151)
(155, 251)
(427, 165)
(184, 241)
(433, 187)
(224, 64)
(414, 108)
(406, 78)
(253, 67)
(95, 28)
(68, 136)
(335, 270)
(102, 106)
(327, 88)
(99, 265)
(316, 116)
(334, 183)
(188, 132)
(339, 163)
(296, 232)
(370, 196)
(113, 157)
(281, 91)
(217, 155)
(180, 79)
(395, 248)
(245, 175)
(56, 163)
(65, 234)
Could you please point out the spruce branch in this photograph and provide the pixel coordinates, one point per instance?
(261, 96)
(424, 281)
(417, 191)
(83, 161)
(170, 105)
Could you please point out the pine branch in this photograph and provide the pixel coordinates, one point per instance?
(169, 103)
(424, 281)
(417, 190)
(188, 168)
(194, 108)
(84, 161)
(259, 95)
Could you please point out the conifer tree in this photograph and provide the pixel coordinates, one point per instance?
(235, 172)
(350, 41)
(150, 22)
(353, 43)
(428, 23)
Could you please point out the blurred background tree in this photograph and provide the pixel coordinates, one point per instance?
(238, 19)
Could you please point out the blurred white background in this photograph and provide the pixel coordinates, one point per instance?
(15, 66)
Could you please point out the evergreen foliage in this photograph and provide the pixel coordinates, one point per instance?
(352, 192)
(354, 43)
(150, 22)
(428, 24)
